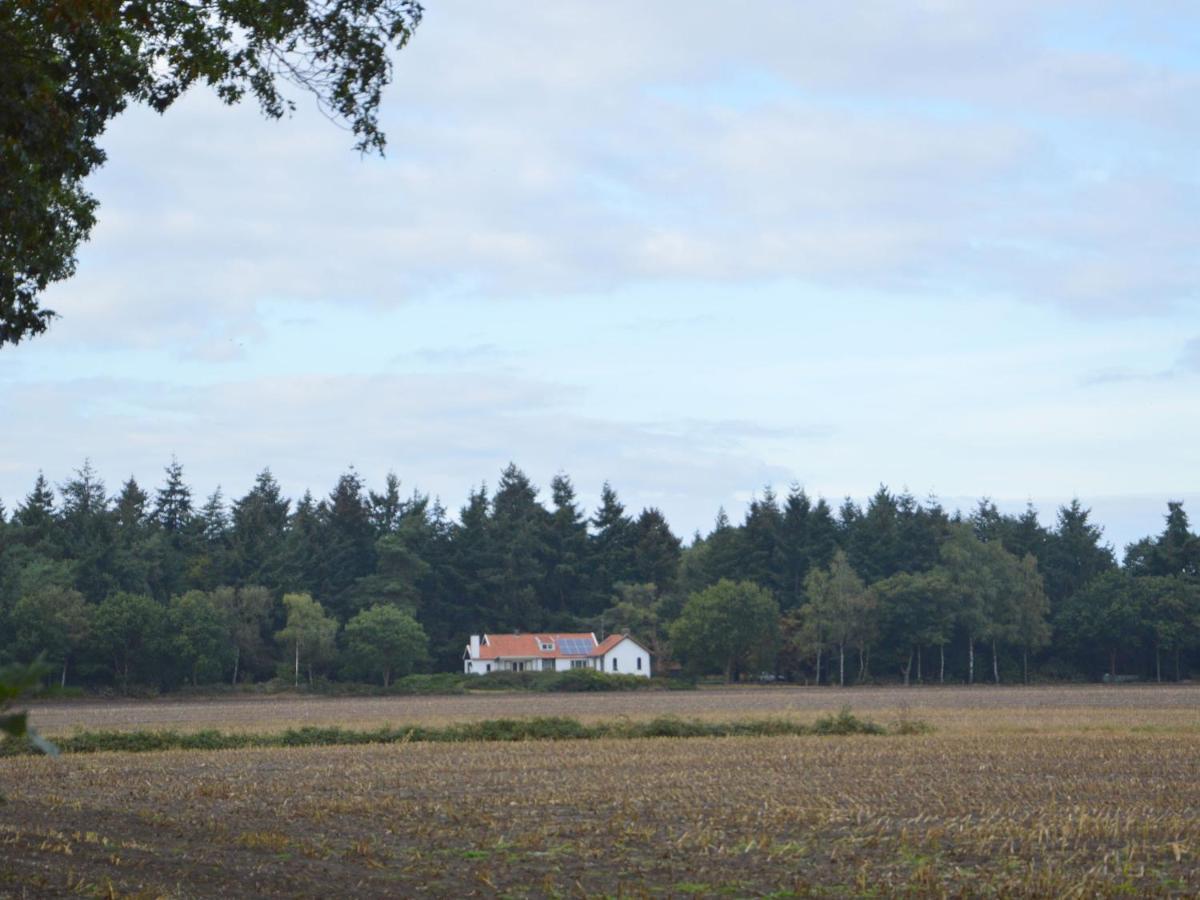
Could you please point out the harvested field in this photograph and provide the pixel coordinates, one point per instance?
(1084, 791)
(949, 709)
(1032, 815)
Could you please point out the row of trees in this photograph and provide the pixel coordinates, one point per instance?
(161, 588)
(204, 637)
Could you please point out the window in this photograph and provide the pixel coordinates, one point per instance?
(489, 667)
(545, 645)
(468, 666)
(614, 664)
(547, 665)
(639, 664)
(581, 664)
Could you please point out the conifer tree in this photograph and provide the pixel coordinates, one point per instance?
(568, 551)
(612, 547)
(657, 551)
(257, 537)
(173, 502)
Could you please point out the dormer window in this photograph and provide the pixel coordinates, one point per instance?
(547, 646)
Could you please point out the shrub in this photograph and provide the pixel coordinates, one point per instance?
(845, 722)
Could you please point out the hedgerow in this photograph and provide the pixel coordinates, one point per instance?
(543, 728)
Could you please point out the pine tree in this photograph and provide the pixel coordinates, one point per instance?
(873, 538)
(257, 539)
(823, 534)
(762, 538)
(302, 569)
(36, 518)
(795, 547)
(612, 547)
(347, 543)
(209, 565)
(130, 506)
(520, 529)
(1074, 554)
(386, 508)
(568, 549)
(725, 554)
(657, 551)
(135, 556)
(173, 503)
(87, 533)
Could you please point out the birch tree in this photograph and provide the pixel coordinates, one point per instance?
(840, 607)
(309, 633)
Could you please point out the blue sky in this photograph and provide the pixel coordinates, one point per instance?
(944, 246)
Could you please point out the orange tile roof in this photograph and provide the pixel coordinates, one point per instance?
(608, 643)
(526, 646)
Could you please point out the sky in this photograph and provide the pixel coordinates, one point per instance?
(691, 249)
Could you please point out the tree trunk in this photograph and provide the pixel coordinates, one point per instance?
(920, 679)
(942, 664)
(387, 677)
(1112, 663)
(1158, 663)
(995, 665)
(729, 671)
(819, 666)
(1025, 663)
(1177, 676)
(841, 665)
(296, 681)
(970, 659)
(63, 681)
(908, 666)
(237, 658)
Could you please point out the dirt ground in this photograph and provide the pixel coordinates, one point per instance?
(950, 709)
(1046, 792)
(925, 815)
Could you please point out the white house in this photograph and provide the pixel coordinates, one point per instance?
(617, 653)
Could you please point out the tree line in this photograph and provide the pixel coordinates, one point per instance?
(163, 589)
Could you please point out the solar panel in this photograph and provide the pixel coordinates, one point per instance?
(575, 646)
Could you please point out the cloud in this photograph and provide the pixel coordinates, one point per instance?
(1187, 363)
(451, 356)
(900, 147)
(1189, 359)
(440, 433)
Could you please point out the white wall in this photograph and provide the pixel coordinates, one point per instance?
(627, 653)
(564, 665)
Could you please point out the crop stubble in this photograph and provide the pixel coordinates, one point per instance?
(1039, 791)
(949, 709)
(1031, 814)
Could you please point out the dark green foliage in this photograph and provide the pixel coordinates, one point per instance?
(571, 681)
(16, 684)
(151, 593)
(382, 641)
(730, 626)
(546, 728)
(845, 722)
(129, 633)
(612, 548)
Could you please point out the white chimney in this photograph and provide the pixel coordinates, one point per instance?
(474, 646)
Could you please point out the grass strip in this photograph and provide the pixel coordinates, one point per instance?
(546, 728)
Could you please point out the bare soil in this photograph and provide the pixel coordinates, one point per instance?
(955, 709)
(1041, 815)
